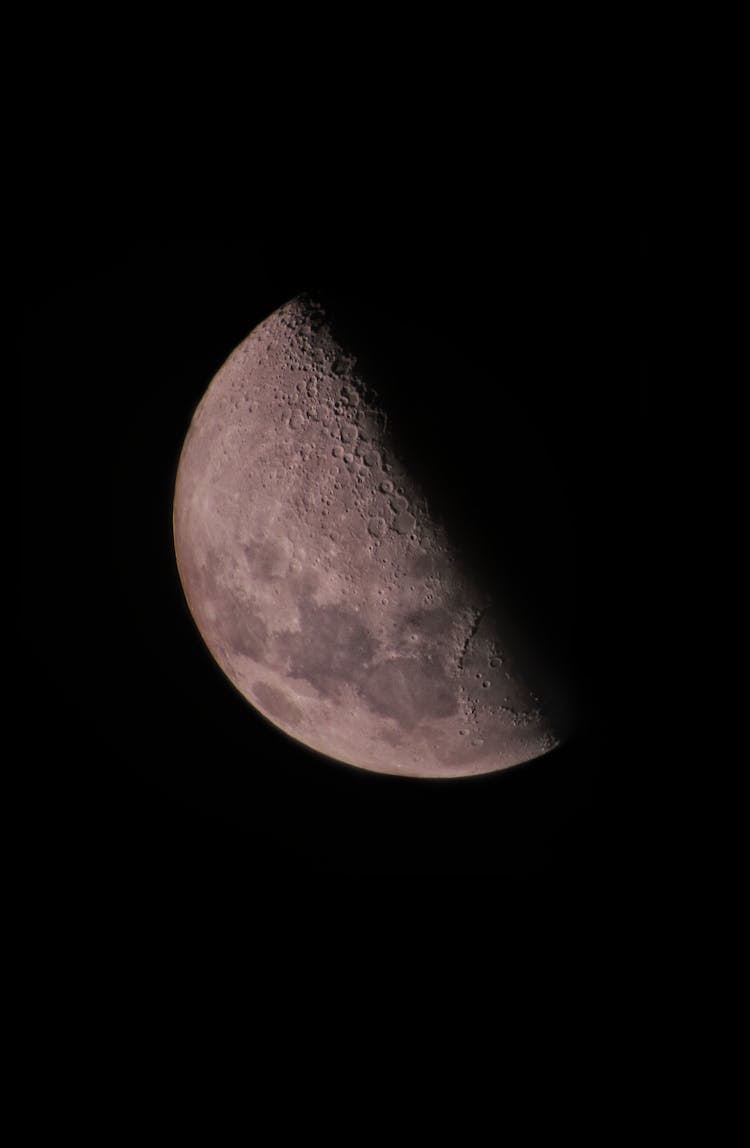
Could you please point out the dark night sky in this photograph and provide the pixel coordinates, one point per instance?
(148, 763)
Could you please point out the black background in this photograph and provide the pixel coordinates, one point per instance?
(147, 764)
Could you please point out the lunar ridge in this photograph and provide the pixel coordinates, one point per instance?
(323, 582)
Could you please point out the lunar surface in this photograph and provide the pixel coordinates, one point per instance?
(322, 582)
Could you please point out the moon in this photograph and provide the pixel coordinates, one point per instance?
(324, 584)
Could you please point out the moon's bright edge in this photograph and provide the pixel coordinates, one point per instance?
(321, 582)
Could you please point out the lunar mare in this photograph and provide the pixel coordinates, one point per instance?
(321, 581)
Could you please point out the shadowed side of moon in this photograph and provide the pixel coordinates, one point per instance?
(323, 583)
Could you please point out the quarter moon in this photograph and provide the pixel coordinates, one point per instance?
(324, 584)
